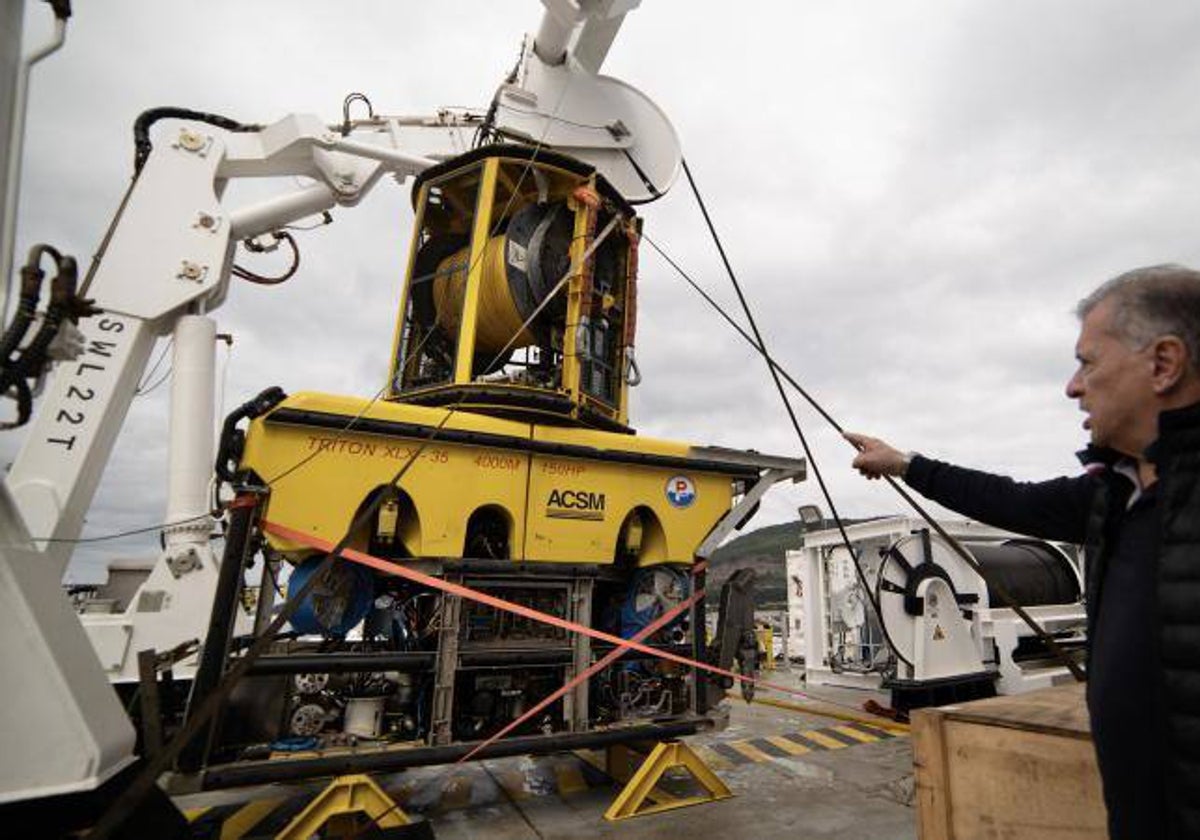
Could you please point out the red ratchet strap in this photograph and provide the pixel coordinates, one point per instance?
(461, 591)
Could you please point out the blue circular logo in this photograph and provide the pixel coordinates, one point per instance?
(681, 491)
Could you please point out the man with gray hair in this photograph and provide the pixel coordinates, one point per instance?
(1136, 510)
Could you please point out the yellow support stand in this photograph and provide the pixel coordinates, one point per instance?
(338, 806)
(642, 784)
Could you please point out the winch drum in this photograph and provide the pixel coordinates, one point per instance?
(1034, 572)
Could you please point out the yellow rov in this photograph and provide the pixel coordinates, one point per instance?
(515, 342)
(508, 402)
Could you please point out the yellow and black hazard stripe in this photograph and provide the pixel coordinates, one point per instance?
(439, 793)
(253, 820)
(791, 744)
(564, 776)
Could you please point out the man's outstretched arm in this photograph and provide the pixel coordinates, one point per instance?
(1053, 510)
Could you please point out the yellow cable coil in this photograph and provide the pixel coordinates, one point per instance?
(498, 317)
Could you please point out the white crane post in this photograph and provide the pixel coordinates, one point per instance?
(554, 33)
(190, 442)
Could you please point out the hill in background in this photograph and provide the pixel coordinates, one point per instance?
(765, 551)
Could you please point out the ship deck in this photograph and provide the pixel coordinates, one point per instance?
(792, 773)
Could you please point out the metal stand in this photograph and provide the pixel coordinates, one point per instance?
(642, 784)
(338, 809)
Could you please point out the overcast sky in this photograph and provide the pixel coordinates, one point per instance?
(915, 194)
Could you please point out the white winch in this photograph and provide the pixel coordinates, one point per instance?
(950, 629)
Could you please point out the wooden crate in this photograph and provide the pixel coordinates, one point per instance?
(1008, 767)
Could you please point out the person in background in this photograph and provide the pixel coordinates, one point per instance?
(1136, 510)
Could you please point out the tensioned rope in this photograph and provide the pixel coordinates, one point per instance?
(758, 344)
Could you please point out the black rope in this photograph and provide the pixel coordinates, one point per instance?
(121, 534)
(1008, 600)
(787, 404)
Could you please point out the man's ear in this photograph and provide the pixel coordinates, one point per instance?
(1170, 360)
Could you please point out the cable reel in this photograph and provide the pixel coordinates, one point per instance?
(522, 291)
(1034, 572)
(520, 268)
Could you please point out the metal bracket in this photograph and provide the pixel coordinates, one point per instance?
(738, 512)
(194, 142)
(184, 561)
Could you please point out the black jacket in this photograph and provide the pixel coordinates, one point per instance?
(1176, 454)
(1089, 509)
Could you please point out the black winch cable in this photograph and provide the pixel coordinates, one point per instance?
(999, 589)
(776, 371)
(759, 344)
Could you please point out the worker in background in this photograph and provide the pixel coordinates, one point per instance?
(1136, 510)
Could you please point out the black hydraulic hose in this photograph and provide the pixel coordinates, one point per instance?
(31, 285)
(11, 376)
(61, 8)
(10, 380)
(229, 453)
(62, 292)
(350, 99)
(33, 358)
(141, 127)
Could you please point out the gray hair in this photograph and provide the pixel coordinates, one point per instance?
(1151, 302)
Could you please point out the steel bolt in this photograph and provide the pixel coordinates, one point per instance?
(190, 140)
(191, 271)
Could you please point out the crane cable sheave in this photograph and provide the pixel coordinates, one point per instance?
(556, 98)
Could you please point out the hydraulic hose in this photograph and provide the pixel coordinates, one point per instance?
(31, 284)
(141, 128)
